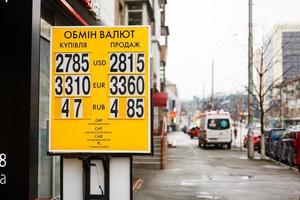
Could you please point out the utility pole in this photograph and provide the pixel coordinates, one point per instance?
(250, 84)
(212, 85)
(203, 91)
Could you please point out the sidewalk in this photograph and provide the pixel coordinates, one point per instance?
(193, 173)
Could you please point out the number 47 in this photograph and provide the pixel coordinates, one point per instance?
(65, 108)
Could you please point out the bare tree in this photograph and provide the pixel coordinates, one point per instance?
(264, 87)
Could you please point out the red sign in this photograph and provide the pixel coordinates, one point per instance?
(172, 114)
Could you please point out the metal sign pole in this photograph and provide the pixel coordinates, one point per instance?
(113, 175)
(87, 179)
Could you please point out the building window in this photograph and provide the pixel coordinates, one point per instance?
(44, 188)
(49, 167)
(290, 54)
(135, 14)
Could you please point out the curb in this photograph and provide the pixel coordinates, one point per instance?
(283, 164)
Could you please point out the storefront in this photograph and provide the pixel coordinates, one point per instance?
(60, 13)
(26, 171)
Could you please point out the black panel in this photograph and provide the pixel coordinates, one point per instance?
(19, 90)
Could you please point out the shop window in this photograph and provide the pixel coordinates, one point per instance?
(49, 167)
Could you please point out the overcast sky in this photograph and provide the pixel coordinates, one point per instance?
(203, 30)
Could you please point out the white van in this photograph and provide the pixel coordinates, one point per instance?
(215, 129)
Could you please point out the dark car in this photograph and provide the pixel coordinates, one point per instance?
(184, 129)
(270, 137)
(288, 147)
(277, 147)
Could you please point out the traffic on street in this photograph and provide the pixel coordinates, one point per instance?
(150, 100)
(194, 173)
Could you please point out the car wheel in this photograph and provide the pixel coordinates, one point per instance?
(294, 158)
(291, 156)
(288, 156)
(229, 145)
(274, 152)
(277, 155)
(266, 150)
(285, 154)
(272, 155)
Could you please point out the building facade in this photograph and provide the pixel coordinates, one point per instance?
(173, 107)
(152, 13)
(290, 102)
(280, 64)
(282, 53)
(64, 13)
(28, 121)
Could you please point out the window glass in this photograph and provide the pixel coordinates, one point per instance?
(49, 167)
(135, 7)
(135, 18)
(44, 181)
(135, 14)
(218, 124)
(277, 132)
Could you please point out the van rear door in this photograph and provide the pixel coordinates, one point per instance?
(218, 129)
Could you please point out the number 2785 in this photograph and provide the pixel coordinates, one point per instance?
(72, 62)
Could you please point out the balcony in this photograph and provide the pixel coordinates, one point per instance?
(150, 2)
(164, 44)
(163, 54)
(148, 13)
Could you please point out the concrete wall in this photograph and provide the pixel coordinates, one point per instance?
(155, 55)
(107, 11)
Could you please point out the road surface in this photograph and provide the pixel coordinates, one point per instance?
(194, 173)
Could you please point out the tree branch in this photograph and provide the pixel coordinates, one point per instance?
(268, 109)
(251, 93)
(273, 82)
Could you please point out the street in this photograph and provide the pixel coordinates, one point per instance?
(194, 173)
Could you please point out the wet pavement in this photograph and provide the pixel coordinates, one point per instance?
(214, 173)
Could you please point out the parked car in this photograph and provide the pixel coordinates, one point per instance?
(288, 147)
(194, 132)
(191, 125)
(297, 151)
(184, 129)
(271, 135)
(256, 139)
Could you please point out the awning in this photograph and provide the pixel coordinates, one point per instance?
(160, 99)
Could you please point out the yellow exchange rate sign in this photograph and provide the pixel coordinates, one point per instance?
(100, 90)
